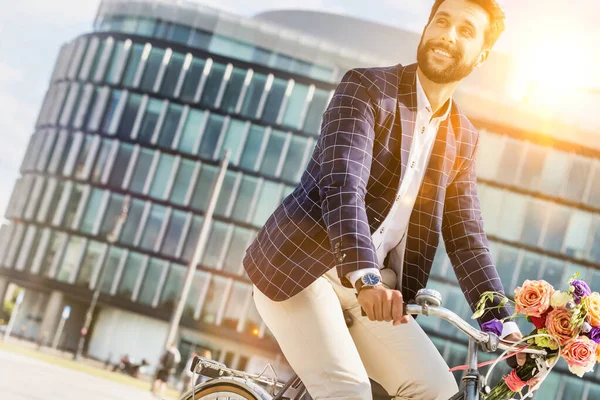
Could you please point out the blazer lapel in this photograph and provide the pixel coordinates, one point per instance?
(407, 104)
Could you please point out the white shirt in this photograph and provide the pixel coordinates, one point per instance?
(391, 234)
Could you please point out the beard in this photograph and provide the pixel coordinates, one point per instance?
(458, 69)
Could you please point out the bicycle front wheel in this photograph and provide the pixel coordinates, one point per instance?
(226, 389)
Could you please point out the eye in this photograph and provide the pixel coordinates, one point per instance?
(442, 21)
(467, 32)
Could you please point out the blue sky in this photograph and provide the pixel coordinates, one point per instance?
(33, 30)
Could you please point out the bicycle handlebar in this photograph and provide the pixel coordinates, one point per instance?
(479, 336)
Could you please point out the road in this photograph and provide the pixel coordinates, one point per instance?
(24, 378)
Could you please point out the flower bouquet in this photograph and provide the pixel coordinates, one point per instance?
(567, 325)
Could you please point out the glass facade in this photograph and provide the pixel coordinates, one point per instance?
(145, 109)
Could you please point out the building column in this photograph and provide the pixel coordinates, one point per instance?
(51, 318)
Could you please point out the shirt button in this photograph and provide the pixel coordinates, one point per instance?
(381, 230)
(423, 130)
(412, 164)
(398, 198)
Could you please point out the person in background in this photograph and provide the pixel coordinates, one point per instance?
(167, 364)
(186, 374)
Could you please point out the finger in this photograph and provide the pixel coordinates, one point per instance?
(521, 358)
(397, 307)
(378, 307)
(387, 307)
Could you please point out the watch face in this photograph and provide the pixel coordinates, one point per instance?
(370, 279)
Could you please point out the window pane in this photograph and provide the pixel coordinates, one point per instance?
(129, 115)
(170, 124)
(72, 205)
(244, 199)
(254, 142)
(191, 302)
(594, 195)
(93, 253)
(577, 233)
(172, 73)
(141, 170)
(488, 156)
(267, 202)
(530, 267)
(234, 88)
(183, 180)
(201, 194)
(531, 173)
(234, 137)
(132, 64)
(295, 105)
(174, 232)
(172, 289)
(557, 226)
(149, 120)
(213, 299)
(71, 259)
(55, 244)
(113, 210)
(553, 271)
(273, 104)
(315, 112)
(535, 218)
(151, 281)
(192, 79)
(225, 194)
(105, 148)
(211, 136)
(191, 131)
(214, 247)
(178, 33)
(200, 39)
(82, 158)
(118, 50)
(270, 162)
(578, 177)
(212, 85)
(555, 172)
(237, 249)
(162, 176)
(253, 95)
(152, 227)
(145, 27)
(235, 304)
(54, 201)
(152, 66)
(512, 215)
(293, 164)
(129, 277)
(109, 115)
(96, 61)
(111, 264)
(134, 216)
(510, 160)
(192, 238)
(119, 167)
(91, 213)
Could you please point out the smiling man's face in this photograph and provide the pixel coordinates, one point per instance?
(454, 41)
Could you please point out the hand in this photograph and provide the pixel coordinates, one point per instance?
(521, 357)
(382, 304)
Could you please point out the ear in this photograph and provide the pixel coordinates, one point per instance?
(485, 53)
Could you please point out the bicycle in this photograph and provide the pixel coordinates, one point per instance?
(230, 384)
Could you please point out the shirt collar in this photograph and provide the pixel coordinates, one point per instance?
(423, 105)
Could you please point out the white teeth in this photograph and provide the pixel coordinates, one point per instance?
(442, 52)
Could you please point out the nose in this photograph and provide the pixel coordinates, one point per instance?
(449, 35)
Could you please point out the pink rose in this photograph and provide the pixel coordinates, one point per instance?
(580, 352)
(558, 323)
(533, 298)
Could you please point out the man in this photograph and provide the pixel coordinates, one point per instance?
(393, 167)
(169, 360)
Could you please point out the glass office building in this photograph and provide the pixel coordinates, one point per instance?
(143, 108)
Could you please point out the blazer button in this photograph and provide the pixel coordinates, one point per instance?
(341, 258)
(337, 245)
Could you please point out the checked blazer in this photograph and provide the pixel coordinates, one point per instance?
(350, 183)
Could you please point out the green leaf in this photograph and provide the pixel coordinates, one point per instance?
(478, 313)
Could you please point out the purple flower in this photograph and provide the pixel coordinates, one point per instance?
(594, 334)
(580, 290)
(493, 326)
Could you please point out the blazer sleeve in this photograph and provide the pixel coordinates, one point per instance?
(345, 148)
(466, 241)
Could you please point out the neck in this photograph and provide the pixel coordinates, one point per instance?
(437, 93)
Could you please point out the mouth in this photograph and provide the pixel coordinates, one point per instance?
(441, 52)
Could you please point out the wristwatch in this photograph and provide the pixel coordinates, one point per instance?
(367, 281)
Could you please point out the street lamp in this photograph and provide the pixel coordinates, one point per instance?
(111, 239)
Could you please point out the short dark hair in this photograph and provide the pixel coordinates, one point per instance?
(495, 13)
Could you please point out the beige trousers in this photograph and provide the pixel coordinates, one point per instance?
(335, 362)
